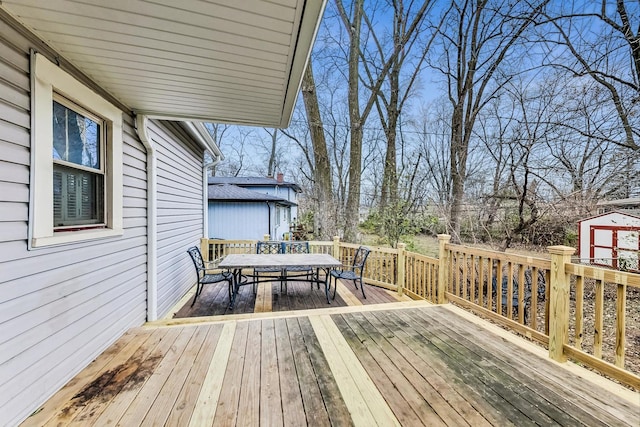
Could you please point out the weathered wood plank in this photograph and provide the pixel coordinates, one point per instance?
(493, 406)
(292, 407)
(143, 401)
(351, 378)
(310, 386)
(186, 402)
(403, 398)
(333, 399)
(427, 371)
(126, 385)
(535, 401)
(249, 404)
(226, 413)
(346, 294)
(113, 356)
(558, 385)
(270, 397)
(168, 393)
(206, 404)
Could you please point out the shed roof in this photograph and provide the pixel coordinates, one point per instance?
(224, 61)
(233, 193)
(632, 214)
(258, 181)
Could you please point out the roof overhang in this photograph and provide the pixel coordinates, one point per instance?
(224, 61)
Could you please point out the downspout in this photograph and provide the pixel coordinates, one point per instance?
(152, 218)
(269, 219)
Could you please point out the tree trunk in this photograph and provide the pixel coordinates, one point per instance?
(324, 209)
(352, 212)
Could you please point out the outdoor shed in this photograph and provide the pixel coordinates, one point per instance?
(611, 239)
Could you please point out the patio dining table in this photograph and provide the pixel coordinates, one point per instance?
(317, 262)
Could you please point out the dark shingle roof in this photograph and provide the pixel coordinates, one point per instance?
(233, 193)
(252, 181)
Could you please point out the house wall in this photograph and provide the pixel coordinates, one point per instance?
(62, 306)
(180, 211)
(286, 193)
(59, 306)
(238, 220)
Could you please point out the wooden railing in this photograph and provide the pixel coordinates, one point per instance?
(510, 289)
(543, 299)
(421, 276)
(597, 340)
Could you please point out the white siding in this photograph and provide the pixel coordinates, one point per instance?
(238, 220)
(180, 212)
(59, 306)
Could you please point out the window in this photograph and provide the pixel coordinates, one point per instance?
(78, 172)
(76, 169)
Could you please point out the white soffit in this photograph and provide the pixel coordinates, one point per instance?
(228, 61)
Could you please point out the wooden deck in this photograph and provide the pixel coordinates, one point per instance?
(393, 364)
(214, 300)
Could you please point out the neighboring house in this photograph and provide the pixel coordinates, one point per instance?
(102, 174)
(611, 239)
(250, 207)
(630, 205)
(238, 213)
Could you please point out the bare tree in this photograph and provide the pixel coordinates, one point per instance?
(603, 39)
(401, 79)
(358, 114)
(477, 37)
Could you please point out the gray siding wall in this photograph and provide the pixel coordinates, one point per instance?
(59, 306)
(238, 220)
(180, 211)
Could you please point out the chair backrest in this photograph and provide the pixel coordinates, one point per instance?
(360, 258)
(196, 257)
(269, 247)
(295, 247)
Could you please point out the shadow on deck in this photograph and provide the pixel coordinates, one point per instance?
(213, 301)
(406, 363)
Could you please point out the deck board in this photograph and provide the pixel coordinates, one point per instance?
(539, 375)
(213, 301)
(227, 405)
(185, 404)
(292, 406)
(356, 366)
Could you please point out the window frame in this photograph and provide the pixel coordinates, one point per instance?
(72, 106)
(47, 82)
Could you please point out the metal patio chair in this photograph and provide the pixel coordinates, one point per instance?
(205, 277)
(353, 272)
(267, 247)
(297, 248)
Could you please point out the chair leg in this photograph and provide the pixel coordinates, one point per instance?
(362, 288)
(335, 286)
(196, 295)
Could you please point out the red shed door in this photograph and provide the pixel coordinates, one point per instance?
(615, 247)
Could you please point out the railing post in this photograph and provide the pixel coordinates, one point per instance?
(443, 268)
(266, 237)
(559, 301)
(204, 248)
(336, 247)
(401, 271)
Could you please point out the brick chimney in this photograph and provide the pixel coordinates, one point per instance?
(280, 178)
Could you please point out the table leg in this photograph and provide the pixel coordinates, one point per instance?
(326, 282)
(237, 277)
